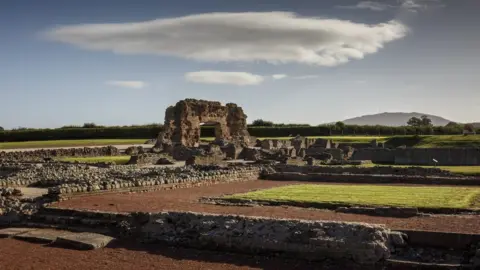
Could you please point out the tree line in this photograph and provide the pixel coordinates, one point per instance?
(258, 128)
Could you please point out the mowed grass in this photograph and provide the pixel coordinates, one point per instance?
(68, 143)
(428, 141)
(339, 139)
(449, 141)
(120, 160)
(371, 195)
(435, 141)
(467, 170)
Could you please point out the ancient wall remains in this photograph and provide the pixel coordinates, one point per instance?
(184, 177)
(376, 155)
(61, 152)
(421, 156)
(371, 178)
(444, 156)
(182, 122)
(377, 170)
(317, 240)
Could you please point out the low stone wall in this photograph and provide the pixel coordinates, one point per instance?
(444, 156)
(380, 170)
(14, 209)
(446, 240)
(314, 240)
(371, 179)
(376, 155)
(150, 159)
(421, 156)
(156, 181)
(337, 154)
(49, 153)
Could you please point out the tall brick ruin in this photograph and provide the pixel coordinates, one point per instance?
(183, 121)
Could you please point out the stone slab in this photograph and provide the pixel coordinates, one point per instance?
(29, 192)
(84, 240)
(44, 236)
(10, 232)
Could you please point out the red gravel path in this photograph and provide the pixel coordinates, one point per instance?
(21, 255)
(186, 199)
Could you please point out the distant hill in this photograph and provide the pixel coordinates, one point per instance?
(393, 119)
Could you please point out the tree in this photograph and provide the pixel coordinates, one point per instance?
(469, 128)
(340, 126)
(2, 129)
(426, 122)
(414, 122)
(452, 125)
(262, 123)
(423, 121)
(89, 125)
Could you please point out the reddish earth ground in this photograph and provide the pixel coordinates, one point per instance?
(21, 255)
(186, 199)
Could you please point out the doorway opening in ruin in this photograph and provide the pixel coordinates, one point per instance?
(210, 130)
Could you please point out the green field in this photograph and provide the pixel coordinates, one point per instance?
(467, 170)
(431, 141)
(425, 141)
(340, 139)
(395, 141)
(120, 160)
(68, 143)
(371, 195)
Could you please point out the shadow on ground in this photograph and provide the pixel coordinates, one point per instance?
(241, 260)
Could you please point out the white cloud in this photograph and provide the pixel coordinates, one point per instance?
(375, 6)
(410, 5)
(279, 76)
(128, 84)
(274, 37)
(304, 77)
(223, 77)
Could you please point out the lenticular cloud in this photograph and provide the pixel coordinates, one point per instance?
(273, 37)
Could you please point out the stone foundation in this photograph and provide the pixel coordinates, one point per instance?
(156, 182)
(314, 240)
(377, 170)
(60, 152)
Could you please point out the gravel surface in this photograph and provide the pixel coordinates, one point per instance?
(15, 254)
(186, 199)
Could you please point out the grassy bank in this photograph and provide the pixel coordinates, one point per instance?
(68, 143)
(467, 170)
(120, 160)
(371, 195)
(432, 141)
(340, 139)
(429, 141)
(426, 141)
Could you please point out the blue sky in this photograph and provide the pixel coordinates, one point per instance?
(285, 61)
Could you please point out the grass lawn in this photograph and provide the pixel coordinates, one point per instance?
(467, 170)
(411, 141)
(68, 143)
(449, 141)
(340, 139)
(431, 141)
(433, 197)
(120, 160)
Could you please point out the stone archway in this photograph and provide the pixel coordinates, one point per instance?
(182, 122)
